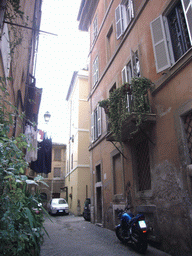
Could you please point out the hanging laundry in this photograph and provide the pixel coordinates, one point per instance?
(31, 137)
(44, 157)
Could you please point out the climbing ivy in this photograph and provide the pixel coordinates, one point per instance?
(116, 105)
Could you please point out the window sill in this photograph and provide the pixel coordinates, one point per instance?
(169, 73)
(144, 194)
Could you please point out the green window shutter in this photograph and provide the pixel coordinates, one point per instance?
(160, 47)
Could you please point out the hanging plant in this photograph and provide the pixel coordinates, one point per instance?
(117, 109)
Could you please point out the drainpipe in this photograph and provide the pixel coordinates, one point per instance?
(92, 180)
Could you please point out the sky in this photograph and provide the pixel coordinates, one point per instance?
(58, 57)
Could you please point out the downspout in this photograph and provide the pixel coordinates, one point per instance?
(93, 203)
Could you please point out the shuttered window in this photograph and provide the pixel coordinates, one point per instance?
(187, 6)
(95, 70)
(96, 124)
(95, 30)
(124, 13)
(160, 47)
(119, 23)
(171, 35)
(57, 172)
(57, 154)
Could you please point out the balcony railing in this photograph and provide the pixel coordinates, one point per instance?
(128, 112)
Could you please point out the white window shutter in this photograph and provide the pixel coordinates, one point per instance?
(124, 75)
(124, 18)
(131, 11)
(94, 73)
(187, 6)
(5, 50)
(92, 127)
(97, 68)
(99, 120)
(118, 19)
(160, 47)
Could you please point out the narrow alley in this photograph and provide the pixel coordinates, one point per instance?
(73, 236)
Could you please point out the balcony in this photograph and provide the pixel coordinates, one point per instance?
(128, 110)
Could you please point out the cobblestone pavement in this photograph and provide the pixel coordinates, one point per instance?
(73, 236)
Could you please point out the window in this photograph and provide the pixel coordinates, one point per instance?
(143, 165)
(57, 172)
(110, 43)
(171, 35)
(117, 175)
(57, 154)
(95, 71)
(132, 69)
(124, 13)
(113, 88)
(98, 173)
(96, 123)
(95, 30)
(188, 129)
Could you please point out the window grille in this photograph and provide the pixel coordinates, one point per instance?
(143, 165)
(188, 130)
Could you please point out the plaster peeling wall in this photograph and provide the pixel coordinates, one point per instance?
(172, 207)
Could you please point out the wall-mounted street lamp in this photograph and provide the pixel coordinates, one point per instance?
(47, 116)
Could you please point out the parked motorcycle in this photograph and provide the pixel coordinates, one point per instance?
(133, 230)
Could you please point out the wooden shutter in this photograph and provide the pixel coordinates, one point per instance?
(160, 47)
(187, 7)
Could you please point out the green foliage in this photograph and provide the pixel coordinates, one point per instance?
(117, 109)
(21, 216)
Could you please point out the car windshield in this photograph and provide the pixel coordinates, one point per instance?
(60, 201)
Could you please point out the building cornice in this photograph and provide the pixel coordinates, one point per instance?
(86, 12)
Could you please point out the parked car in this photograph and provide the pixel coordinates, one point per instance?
(86, 211)
(58, 206)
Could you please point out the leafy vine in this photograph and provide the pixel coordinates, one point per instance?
(118, 109)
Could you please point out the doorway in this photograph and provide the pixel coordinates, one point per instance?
(99, 204)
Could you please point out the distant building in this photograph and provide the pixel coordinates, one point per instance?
(56, 178)
(77, 177)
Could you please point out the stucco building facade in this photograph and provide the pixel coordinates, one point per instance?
(20, 23)
(56, 178)
(151, 169)
(77, 178)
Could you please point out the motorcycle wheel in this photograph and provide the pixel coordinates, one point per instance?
(142, 244)
(119, 234)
